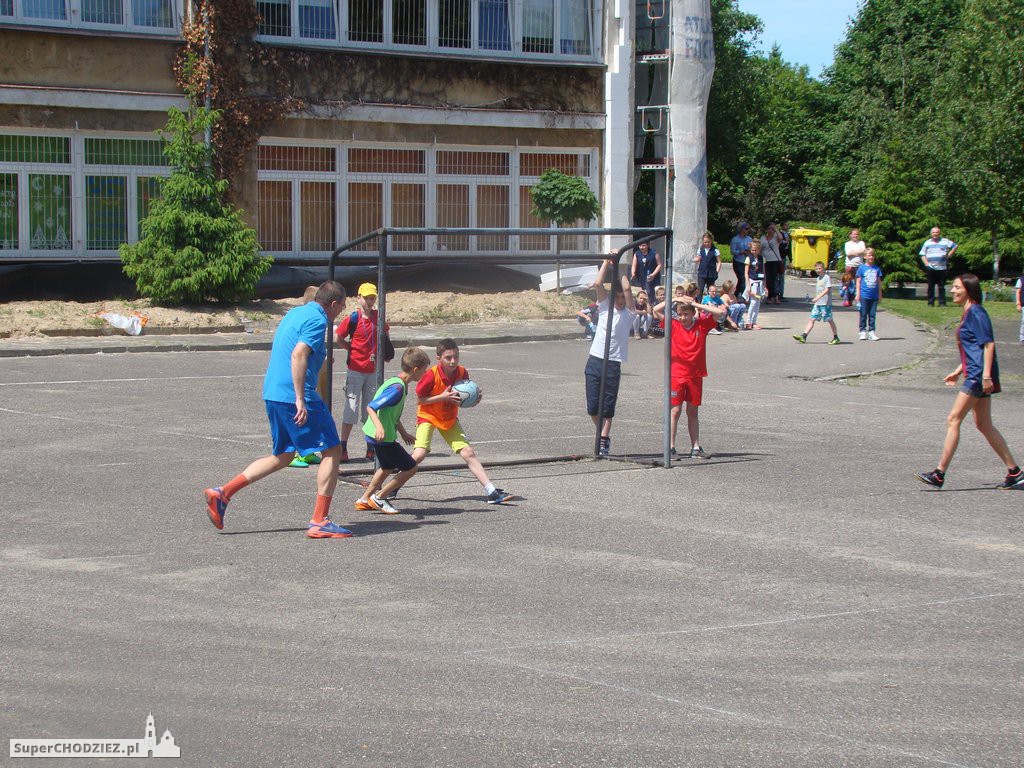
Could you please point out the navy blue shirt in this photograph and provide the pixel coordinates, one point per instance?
(974, 333)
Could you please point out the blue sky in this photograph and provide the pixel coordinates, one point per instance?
(805, 30)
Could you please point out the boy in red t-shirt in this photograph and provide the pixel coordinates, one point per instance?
(690, 330)
(439, 409)
(361, 379)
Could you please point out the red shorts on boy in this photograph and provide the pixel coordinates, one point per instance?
(687, 389)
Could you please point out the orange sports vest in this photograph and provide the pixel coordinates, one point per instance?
(441, 415)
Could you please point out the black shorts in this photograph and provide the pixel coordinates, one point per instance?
(393, 456)
(611, 393)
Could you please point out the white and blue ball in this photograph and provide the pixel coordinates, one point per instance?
(468, 391)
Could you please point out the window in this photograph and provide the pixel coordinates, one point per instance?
(106, 212)
(524, 29)
(317, 211)
(49, 209)
(410, 22)
(44, 9)
(275, 219)
(275, 18)
(454, 20)
(366, 21)
(151, 16)
(83, 194)
(8, 211)
(312, 198)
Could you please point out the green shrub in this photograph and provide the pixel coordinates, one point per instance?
(195, 247)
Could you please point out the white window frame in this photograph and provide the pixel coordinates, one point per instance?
(77, 170)
(430, 178)
(433, 47)
(73, 19)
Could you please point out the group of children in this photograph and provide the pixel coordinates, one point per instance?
(302, 426)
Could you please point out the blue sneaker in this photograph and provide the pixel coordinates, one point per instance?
(328, 529)
(216, 506)
(498, 496)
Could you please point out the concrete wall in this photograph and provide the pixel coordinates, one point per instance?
(65, 60)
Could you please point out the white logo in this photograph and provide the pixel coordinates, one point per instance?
(148, 746)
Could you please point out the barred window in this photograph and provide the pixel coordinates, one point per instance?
(159, 16)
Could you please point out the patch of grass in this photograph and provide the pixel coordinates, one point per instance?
(942, 317)
(40, 313)
(442, 313)
(95, 322)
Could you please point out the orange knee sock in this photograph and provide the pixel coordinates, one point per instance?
(234, 486)
(320, 509)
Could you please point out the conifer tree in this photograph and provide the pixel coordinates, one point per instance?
(195, 247)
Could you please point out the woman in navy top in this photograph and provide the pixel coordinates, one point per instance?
(980, 370)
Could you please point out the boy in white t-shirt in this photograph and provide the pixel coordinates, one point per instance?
(621, 321)
(822, 309)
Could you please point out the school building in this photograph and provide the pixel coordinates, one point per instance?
(400, 113)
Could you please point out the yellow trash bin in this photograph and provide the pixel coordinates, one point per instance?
(810, 246)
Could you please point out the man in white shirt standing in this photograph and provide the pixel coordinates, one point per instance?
(935, 255)
(854, 248)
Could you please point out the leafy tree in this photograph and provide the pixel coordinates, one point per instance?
(194, 247)
(896, 214)
(563, 199)
(978, 138)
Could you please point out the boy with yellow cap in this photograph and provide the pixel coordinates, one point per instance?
(357, 333)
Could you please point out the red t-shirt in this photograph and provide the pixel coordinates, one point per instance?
(362, 354)
(689, 346)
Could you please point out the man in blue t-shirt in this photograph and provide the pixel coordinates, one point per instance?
(935, 255)
(869, 294)
(299, 419)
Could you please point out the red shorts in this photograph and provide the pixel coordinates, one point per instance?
(688, 389)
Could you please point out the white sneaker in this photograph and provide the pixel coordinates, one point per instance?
(715, 332)
(863, 336)
(872, 336)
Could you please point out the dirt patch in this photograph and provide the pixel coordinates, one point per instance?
(19, 319)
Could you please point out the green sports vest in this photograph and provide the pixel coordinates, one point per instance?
(388, 416)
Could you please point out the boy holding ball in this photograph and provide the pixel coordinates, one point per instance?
(439, 410)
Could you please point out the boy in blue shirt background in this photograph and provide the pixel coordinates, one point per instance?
(869, 294)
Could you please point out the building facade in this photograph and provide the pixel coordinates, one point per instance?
(367, 113)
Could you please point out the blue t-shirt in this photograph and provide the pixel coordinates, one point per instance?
(937, 253)
(739, 246)
(974, 333)
(307, 324)
(870, 278)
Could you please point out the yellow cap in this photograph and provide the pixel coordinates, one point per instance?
(367, 289)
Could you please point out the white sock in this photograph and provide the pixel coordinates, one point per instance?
(489, 489)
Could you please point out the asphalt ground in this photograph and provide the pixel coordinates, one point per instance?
(797, 600)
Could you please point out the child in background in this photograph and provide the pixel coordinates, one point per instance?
(439, 410)
(848, 289)
(734, 307)
(358, 334)
(869, 294)
(644, 317)
(657, 324)
(383, 426)
(689, 364)
(755, 285)
(822, 309)
(587, 317)
(716, 301)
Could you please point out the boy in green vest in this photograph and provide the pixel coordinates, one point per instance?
(383, 426)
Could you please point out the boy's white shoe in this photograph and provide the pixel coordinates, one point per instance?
(872, 336)
(863, 336)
